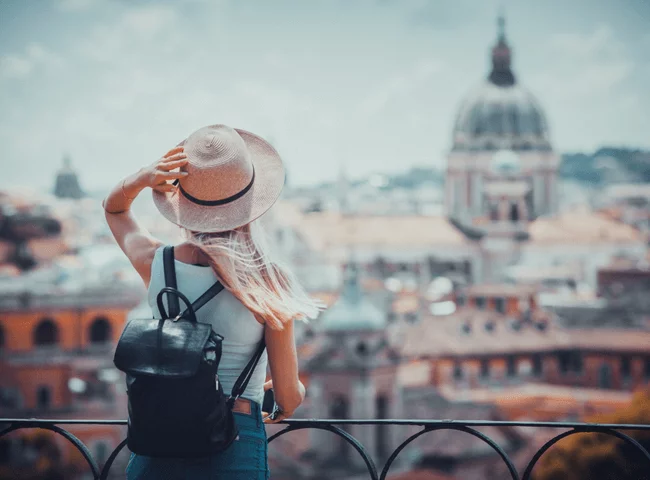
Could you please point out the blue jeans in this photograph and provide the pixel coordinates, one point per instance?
(245, 459)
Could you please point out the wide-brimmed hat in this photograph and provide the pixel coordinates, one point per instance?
(234, 176)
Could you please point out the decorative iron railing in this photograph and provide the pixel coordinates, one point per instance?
(466, 426)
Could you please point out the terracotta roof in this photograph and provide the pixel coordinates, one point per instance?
(628, 190)
(406, 304)
(581, 226)
(528, 391)
(323, 230)
(444, 336)
(501, 290)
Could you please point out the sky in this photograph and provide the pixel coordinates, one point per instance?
(362, 85)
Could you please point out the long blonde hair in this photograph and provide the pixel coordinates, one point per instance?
(241, 260)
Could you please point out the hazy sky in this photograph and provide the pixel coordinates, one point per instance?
(371, 84)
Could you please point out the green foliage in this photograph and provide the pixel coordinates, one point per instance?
(591, 456)
(607, 165)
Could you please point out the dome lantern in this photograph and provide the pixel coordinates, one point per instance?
(501, 74)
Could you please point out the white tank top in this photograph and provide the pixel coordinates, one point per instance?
(228, 317)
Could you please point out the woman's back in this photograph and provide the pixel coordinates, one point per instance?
(227, 315)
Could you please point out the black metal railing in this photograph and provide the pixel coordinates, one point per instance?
(466, 426)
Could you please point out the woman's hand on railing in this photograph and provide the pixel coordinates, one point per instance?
(280, 413)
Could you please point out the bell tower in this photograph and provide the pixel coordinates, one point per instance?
(354, 375)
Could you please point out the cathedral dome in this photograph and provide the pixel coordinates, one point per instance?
(501, 114)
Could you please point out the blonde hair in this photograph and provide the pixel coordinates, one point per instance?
(241, 260)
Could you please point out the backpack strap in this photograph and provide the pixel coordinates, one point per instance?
(245, 376)
(170, 280)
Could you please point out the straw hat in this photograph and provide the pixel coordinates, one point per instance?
(234, 177)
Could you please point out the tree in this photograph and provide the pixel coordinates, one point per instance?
(595, 456)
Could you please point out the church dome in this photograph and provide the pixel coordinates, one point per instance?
(501, 114)
(67, 183)
(352, 311)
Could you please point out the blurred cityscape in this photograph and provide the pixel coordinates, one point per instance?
(512, 285)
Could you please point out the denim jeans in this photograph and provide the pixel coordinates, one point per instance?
(244, 459)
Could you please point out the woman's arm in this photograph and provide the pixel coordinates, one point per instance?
(134, 240)
(288, 390)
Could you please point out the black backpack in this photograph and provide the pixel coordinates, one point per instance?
(177, 407)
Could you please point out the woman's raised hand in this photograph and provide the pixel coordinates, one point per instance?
(159, 172)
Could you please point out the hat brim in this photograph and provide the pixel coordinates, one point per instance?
(266, 189)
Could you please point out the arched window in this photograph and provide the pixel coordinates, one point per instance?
(43, 397)
(100, 330)
(46, 333)
(514, 213)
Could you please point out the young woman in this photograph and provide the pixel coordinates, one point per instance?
(214, 185)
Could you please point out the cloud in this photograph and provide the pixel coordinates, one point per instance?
(137, 28)
(21, 65)
(596, 44)
(594, 64)
(398, 87)
(75, 5)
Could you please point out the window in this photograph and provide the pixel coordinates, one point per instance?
(494, 213)
(537, 365)
(500, 304)
(570, 362)
(485, 368)
(605, 376)
(46, 333)
(43, 398)
(626, 368)
(458, 371)
(100, 331)
(480, 302)
(514, 213)
(2, 337)
(10, 398)
(564, 361)
(646, 368)
(411, 317)
(511, 366)
(577, 362)
(489, 326)
(460, 300)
